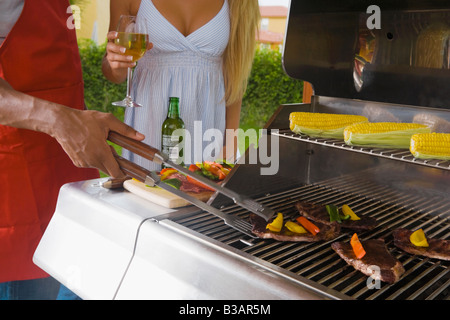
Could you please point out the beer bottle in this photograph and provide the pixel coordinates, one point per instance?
(171, 143)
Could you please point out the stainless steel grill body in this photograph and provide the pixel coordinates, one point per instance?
(323, 45)
(390, 185)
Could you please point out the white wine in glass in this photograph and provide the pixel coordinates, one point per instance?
(133, 35)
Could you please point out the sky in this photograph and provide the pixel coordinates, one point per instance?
(274, 3)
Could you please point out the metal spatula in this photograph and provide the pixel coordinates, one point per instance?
(156, 156)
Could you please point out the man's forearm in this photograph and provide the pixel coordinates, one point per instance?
(23, 111)
(81, 133)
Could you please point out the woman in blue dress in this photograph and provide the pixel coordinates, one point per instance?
(202, 53)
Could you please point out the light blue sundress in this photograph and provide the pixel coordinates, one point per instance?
(177, 66)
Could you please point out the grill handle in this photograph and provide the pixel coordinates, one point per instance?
(136, 147)
(132, 169)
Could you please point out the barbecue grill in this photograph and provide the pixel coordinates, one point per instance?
(112, 244)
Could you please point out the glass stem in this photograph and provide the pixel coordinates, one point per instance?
(129, 79)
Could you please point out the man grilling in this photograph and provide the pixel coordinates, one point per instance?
(46, 138)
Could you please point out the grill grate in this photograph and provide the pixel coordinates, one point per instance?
(397, 154)
(424, 278)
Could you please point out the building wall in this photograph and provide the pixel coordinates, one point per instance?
(273, 27)
(94, 15)
(277, 25)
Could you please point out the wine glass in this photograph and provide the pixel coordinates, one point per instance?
(133, 35)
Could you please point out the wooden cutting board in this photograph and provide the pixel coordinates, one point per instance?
(160, 196)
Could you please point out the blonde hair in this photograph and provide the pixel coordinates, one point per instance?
(239, 54)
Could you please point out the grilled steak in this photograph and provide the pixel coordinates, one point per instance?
(318, 213)
(439, 249)
(327, 232)
(390, 269)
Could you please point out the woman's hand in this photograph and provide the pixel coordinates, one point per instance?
(116, 62)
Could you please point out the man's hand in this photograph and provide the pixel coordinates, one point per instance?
(83, 135)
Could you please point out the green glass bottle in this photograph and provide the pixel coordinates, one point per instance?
(171, 144)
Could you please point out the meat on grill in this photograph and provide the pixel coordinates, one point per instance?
(318, 213)
(439, 249)
(327, 232)
(377, 262)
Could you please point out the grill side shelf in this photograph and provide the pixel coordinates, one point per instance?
(395, 154)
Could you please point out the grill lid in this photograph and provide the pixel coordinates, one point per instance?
(397, 53)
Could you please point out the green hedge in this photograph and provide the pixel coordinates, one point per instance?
(268, 86)
(99, 93)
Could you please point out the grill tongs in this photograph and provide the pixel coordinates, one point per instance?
(151, 178)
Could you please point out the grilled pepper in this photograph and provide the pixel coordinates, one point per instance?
(211, 169)
(418, 238)
(294, 227)
(276, 224)
(194, 168)
(173, 182)
(167, 172)
(333, 211)
(215, 169)
(347, 211)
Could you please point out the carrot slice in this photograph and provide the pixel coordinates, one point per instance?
(311, 227)
(199, 184)
(357, 247)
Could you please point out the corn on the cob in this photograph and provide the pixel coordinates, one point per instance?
(383, 134)
(323, 125)
(431, 146)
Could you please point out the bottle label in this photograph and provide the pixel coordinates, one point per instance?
(170, 146)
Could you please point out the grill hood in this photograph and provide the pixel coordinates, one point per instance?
(406, 60)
